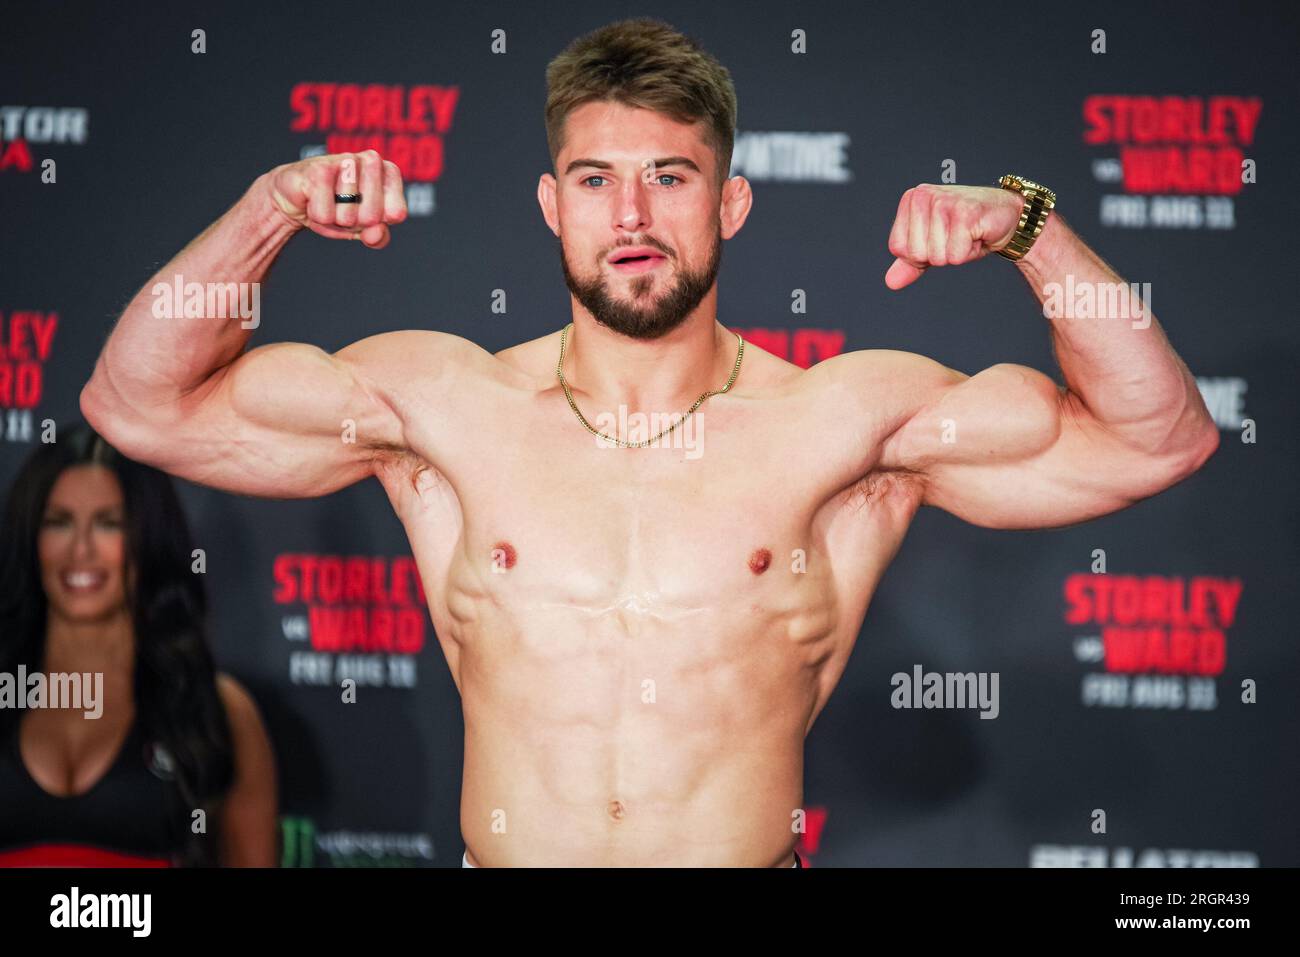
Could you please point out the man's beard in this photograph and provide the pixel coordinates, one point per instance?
(651, 318)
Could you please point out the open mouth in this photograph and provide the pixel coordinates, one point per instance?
(637, 263)
(81, 582)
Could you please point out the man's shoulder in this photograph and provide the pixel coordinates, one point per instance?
(883, 369)
(534, 358)
(862, 372)
(883, 388)
(428, 356)
(881, 361)
(442, 385)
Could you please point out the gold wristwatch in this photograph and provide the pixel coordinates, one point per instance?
(1039, 201)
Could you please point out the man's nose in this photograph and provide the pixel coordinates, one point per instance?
(633, 213)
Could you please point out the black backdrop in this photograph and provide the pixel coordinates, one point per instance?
(168, 138)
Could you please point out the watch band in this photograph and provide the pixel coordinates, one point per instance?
(1039, 202)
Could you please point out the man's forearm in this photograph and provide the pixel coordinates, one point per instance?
(150, 361)
(1117, 361)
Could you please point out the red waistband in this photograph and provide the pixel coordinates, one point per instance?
(75, 855)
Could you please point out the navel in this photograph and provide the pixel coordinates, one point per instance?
(503, 555)
(616, 810)
(759, 560)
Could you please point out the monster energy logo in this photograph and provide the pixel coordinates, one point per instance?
(298, 842)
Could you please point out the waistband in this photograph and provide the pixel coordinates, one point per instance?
(464, 860)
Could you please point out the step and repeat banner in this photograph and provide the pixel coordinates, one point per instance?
(1146, 661)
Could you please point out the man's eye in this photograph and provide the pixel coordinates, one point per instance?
(676, 180)
(54, 521)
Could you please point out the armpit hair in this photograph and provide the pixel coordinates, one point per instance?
(387, 454)
(877, 481)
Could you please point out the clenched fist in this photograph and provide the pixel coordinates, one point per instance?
(947, 226)
(304, 192)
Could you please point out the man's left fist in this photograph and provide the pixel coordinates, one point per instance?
(947, 226)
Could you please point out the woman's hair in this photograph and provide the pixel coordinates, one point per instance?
(176, 699)
(643, 63)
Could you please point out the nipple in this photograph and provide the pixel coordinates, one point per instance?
(503, 556)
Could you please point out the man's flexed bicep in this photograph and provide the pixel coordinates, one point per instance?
(183, 392)
(1009, 448)
(285, 420)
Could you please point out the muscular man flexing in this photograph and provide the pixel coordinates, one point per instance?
(643, 635)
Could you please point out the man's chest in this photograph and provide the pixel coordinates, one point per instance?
(739, 510)
(633, 527)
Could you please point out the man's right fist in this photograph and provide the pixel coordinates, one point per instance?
(304, 192)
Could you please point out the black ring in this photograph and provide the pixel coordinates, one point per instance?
(347, 197)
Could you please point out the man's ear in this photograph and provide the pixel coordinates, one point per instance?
(546, 198)
(734, 205)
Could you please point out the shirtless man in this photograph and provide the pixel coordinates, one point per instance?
(642, 637)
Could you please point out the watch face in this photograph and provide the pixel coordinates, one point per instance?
(1013, 181)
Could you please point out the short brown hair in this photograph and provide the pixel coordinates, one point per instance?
(643, 62)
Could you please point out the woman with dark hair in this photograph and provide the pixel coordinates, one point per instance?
(96, 578)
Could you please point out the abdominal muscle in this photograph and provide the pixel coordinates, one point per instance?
(610, 737)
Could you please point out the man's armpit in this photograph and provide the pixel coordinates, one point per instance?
(385, 450)
(401, 462)
(882, 483)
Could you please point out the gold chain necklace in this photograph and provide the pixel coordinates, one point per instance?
(559, 372)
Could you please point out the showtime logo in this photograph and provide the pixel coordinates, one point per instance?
(792, 157)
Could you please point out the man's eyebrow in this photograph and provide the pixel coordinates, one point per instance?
(602, 164)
